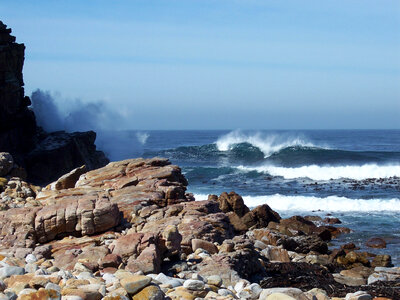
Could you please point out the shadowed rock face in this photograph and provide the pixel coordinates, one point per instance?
(17, 122)
(45, 156)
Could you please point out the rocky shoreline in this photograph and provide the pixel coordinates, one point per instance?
(129, 230)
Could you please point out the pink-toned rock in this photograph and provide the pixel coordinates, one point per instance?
(68, 180)
(206, 245)
(110, 261)
(148, 261)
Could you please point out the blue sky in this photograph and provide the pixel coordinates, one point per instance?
(217, 64)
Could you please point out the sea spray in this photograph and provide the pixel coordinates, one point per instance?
(268, 144)
(315, 172)
(283, 203)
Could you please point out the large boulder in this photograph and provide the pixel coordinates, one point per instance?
(241, 217)
(71, 215)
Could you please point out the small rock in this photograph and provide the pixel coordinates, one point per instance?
(195, 285)
(278, 296)
(134, 283)
(252, 291)
(206, 245)
(151, 292)
(360, 295)
(31, 268)
(376, 242)
(214, 280)
(11, 270)
(30, 259)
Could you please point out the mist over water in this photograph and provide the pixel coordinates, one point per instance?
(54, 113)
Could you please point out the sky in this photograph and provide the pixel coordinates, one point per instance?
(217, 64)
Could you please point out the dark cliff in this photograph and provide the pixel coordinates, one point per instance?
(45, 156)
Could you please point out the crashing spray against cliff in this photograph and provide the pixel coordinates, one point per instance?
(54, 114)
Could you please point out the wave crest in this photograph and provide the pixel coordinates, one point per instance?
(280, 202)
(316, 172)
(268, 144)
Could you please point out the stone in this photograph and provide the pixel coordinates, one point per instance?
(30, 259)
(68, 180)
(232, 202)
(81, 292)
(53, 286)
(148, 261)
(180, 293)
(376, 242)
(375, 277)
(293, 293)
(110, 260)
(350, 281)
(134, 283)
(215, 280)
(172, 239)
(360, 295)
(278, 296)
(317, 294)
(382, 260)
(276, 254)
(6, 163)
(151, 292)
(195, 285)
(42, 294)
(10, 270)
(206, 245)
(251, 291)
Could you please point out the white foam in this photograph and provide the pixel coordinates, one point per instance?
(280, 202)
(268, 144)
(330, 172)
(142, 137)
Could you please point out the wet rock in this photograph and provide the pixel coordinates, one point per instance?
(376, 242)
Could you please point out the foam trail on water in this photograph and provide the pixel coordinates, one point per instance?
(280, 202)
(330, 172)
(268, 144)
(142, 137)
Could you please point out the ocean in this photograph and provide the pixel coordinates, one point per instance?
(353, 175)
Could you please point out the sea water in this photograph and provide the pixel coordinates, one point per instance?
(350, 174)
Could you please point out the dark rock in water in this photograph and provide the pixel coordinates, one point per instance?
(376, 242)
(332, 221)
(45, 156)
